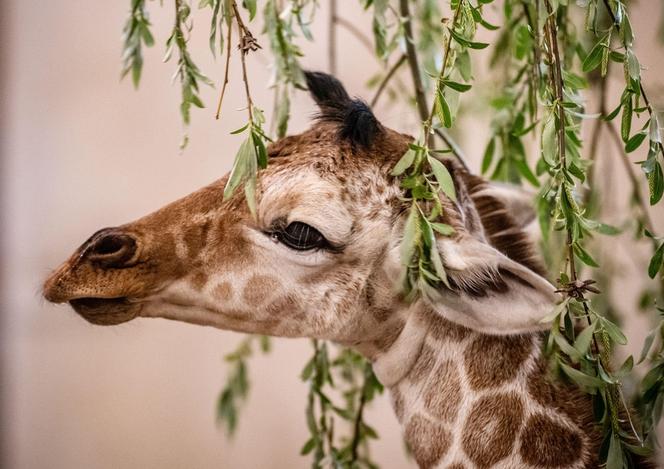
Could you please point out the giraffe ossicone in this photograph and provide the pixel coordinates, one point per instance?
(321, 260)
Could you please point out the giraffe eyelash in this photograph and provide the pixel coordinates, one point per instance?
(300, 236)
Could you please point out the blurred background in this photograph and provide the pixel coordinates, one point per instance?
(82, 150)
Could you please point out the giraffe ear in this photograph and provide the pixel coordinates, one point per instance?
(489, 292)
(496, 280)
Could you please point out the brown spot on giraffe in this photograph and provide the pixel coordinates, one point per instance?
(493, 360)
(427, 440)
(423, 365)
(442, 396)
(491, 428)
(259, 288)
(199, 280)
(398, 403)
(456, 465)
(546, 443)
(195, 238)
(223, 291)
(389, 335)
(442, 329)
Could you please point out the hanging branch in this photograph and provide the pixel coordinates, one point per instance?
(386, 79)
(229, 34)
(420, 98)
(332, 38)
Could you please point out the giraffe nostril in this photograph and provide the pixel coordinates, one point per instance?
(112, 250)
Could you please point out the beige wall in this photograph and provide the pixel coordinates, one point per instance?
(82, 151)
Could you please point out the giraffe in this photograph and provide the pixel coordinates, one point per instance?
(320, 259)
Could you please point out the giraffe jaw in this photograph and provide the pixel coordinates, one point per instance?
(106, 311)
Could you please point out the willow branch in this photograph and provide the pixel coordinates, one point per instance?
(332, 38)
(643, 205)
(228, 60)
(443, 67)
(420, 97)
(557, 85)
(387, 78)
(359, 35)
(411, 54)
(641, 88)
(247, 43)
(359, 415)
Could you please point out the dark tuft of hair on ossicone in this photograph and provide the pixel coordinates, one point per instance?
(357, 123)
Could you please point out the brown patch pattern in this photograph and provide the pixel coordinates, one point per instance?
(223, 291)
(493, 360)
(423, 365)
(442, 397)
(198, 280)
(259, 288)
(546, 443)
(442, 329)
(427, 440)
(491, 428)
(456, 465)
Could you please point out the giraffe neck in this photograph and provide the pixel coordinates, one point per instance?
(468, 400)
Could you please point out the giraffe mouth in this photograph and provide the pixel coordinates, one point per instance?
(106, 311)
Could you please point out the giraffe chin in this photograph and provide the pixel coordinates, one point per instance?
(105, 311)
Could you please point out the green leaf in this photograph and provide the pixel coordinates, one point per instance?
(460, 87)
(594, 57)
(404, 163)
(614, 459)
(614, 331)
(656, 184)
(443, 110)
(656, 262)
(443, 177)
(250, 5)
(549, 142)
(647, 344)
(488, 155)
(240, 169)
(466, 43)
(633, 67)
(526, 172)
(626, 122)
(584, 256)
(581, 378)
(635, 142)
(442, 228)
(411, 236)
(583, 340)
(308, 447)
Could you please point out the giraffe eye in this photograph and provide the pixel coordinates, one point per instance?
(301, 237)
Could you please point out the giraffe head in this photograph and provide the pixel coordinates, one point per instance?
(321, 257)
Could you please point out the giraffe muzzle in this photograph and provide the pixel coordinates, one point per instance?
(98, 281)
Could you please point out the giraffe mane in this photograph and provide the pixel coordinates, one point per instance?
(500, 226)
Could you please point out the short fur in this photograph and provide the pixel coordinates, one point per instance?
(465, 397)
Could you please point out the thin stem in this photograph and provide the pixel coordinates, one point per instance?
(332, 38)
(420, 97)
(229, 34)
(387, 78)
(643, 205)
(359, 35)
(247, 43)
(641, 88)
(557, 84)
(411, 54)
(441, 75)
(360, 413)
